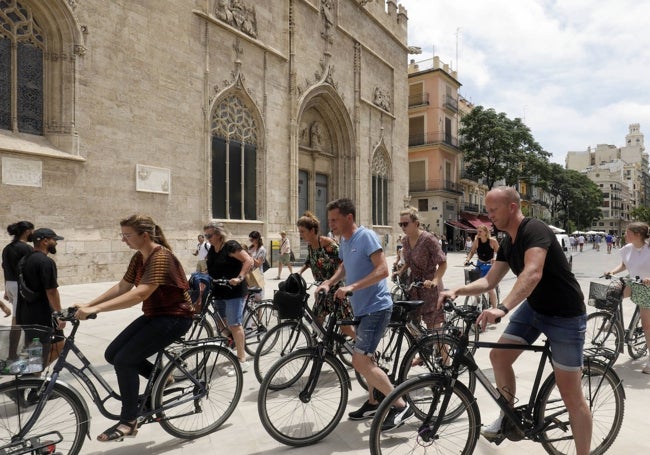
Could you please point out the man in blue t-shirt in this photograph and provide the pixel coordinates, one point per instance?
(364, 269)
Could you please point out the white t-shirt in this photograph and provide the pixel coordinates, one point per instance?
(203, 250)
(637, 261)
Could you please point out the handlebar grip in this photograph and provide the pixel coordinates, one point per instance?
(92, 316)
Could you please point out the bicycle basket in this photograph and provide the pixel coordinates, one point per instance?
(605, 296)
(289, 305)
(16, 345)
(472, 275)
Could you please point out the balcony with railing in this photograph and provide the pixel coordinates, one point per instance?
(432, 138)
(467, 207)
(451, 103)
(435, 185)
(419, 99)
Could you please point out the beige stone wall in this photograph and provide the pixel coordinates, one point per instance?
(144, 86)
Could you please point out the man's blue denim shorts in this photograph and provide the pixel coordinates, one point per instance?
(370, 330)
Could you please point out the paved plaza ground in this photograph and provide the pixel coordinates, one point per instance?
(244, 434)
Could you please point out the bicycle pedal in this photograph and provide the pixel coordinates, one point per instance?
(497, 439)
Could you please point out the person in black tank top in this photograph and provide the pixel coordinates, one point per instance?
(486, 248)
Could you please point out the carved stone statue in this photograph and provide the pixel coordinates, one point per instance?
(381, 99)
(315, 135)
(238, 15)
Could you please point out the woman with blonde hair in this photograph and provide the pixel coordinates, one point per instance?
(635, 258)
(486, 249)
(155, 277)
(422, 253)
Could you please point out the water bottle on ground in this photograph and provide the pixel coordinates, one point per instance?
(35, 356)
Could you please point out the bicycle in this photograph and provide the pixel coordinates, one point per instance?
(447, 418)
(606, 334)
(473, 273)
(46, 415)
(259, 318)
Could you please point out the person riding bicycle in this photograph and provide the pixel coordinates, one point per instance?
(486, 249)
(550, 302)
(155, 277)
(635, 257)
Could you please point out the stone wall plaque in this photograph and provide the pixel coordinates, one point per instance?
(152, 179)
(20, 172)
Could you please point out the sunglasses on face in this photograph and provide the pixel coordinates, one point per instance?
(404, 224)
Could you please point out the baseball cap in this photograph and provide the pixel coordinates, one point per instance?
(45, 233)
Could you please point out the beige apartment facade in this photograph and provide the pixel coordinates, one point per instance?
(242, 111)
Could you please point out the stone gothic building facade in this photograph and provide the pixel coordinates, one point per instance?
(238, 110)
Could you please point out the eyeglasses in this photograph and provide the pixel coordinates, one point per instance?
(404, 224)
(209, 236)
(122, 235)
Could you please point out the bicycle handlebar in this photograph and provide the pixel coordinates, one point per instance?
(68, 314)
(221, 282)
(467, 312)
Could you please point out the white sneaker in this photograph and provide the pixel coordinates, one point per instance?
(646, 369)
(493, 431)
(244, 368)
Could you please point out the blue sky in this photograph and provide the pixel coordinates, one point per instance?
(577, 71)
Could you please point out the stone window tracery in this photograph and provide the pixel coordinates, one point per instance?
(380, 170)
(234, 160)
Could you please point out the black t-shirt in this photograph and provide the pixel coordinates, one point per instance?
(558, 292)
(40, 274)
(484, 251)
(11, 255)
(222, 265)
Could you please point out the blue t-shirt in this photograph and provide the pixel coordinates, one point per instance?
(355, 254)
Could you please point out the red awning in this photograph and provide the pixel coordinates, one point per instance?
(460, 225)
(486, 221)
(476, 220)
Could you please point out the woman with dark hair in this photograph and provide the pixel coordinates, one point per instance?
(258, 252)
(11, 255)
(323, 260)
(155, 277)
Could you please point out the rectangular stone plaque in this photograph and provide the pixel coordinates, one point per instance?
(152, 179)
(20, 172)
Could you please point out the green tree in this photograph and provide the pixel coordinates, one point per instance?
(641, 214)
(498, 148)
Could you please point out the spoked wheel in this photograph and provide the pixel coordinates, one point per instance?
(603, 391)
(603, 336)
(278, 343)
(216, 392)
(63, 414)
(257, 323)
(290, 412)
(636, 345)
(420, 434)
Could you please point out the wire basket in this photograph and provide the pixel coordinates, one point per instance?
(16, 353)
(289, 305)
(605, 296)
(472, 275)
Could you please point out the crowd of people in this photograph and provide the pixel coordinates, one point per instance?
(350, 265)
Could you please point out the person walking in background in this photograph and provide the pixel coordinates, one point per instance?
(227, 259)
(468, 243)
(11, 255)
(202, 253)
(609, 240)
(486, 249)
(285, 255)
(581, 242)
(635, 258)
(422, 254)
(549, 301)
(323, 260)
(257, 251)
(364, 269)
(40, 277)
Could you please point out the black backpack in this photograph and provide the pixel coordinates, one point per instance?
(294, 284)
(27, 294)
(200, 285)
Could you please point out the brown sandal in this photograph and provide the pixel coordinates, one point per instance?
(115, 434)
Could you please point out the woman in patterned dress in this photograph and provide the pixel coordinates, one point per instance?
(422, 254)
(323, 260)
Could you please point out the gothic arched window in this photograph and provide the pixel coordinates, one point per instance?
(380, 176)
(22, 45)
(234, 160)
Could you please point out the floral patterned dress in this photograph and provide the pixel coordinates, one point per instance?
(323, 262)
(424, 259)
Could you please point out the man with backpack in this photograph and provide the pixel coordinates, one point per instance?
(201, 253)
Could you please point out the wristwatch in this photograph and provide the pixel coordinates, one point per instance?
(240, 278)
(503, 308)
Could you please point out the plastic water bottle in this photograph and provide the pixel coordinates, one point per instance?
(35, 356)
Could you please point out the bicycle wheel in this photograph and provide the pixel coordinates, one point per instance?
(278, 342)
(291, 414)
(64, 412)
(605, 397)
(603, 336)
(258, 322)
(201, 329)
(636, 345)
(432, 355)
(420, 435)
(221, 379)
(456, 325)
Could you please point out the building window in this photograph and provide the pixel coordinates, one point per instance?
(234, 161)
(380, 176)
(21, 69)
(423, 205)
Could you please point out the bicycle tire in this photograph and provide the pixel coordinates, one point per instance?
(282, 339)
(606, 400)
(257, 323)
(63, 412)
(293, 419)
(432, 352)
(457, 325)
(416, 435)
(210, 364)
(603, 336)
(201, 329)
(386, 352)
(636, 344)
